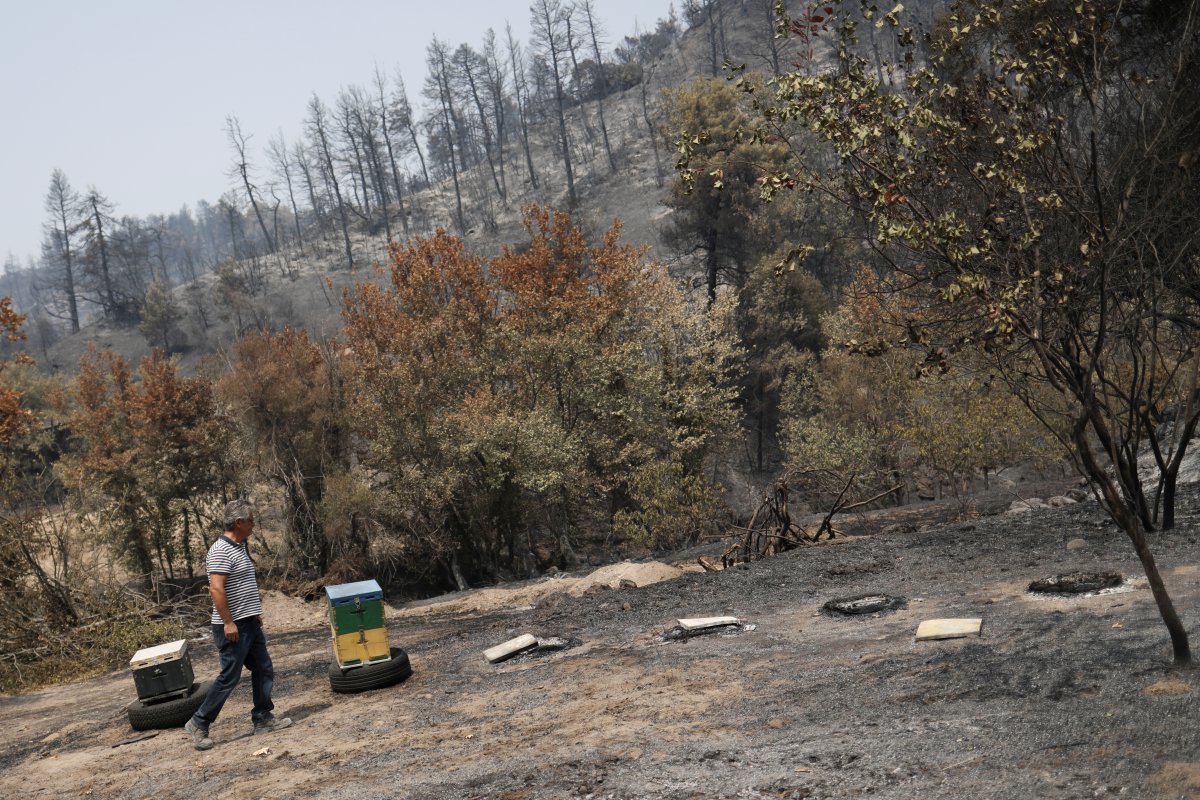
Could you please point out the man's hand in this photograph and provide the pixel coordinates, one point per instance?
(231, 631)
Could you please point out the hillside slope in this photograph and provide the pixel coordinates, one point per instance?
(1058, 697)
(301, 287)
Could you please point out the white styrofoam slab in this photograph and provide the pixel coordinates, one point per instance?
(948, 628)
(699, 623)
(510, 648)
(160, 652)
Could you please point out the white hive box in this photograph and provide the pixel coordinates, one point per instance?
(162, 671)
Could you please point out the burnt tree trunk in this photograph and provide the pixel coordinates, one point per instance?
(1131, 523)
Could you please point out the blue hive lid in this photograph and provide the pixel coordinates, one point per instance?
(349, 592)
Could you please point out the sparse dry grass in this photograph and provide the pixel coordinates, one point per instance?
(42, 646)
(72, 655)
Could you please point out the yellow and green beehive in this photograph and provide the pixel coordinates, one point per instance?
(356, 621)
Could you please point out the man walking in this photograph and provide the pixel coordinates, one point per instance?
(237, 628)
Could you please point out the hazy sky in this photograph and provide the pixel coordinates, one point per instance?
(130, 96)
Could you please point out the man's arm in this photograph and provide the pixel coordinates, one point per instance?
(216, 587)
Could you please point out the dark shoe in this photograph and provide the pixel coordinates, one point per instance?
(199, 735)
(272, 723)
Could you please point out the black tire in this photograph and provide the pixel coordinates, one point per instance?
(169, 713)
(370, 676)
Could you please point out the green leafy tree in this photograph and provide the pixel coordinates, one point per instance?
(957, 423)
(1031, 181)
(718, 217)
(779, 315)
(716, 213)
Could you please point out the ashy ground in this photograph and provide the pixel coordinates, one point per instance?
(1056, 698)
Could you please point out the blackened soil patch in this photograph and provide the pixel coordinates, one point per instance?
(842, 570)
(1076, 582)
(863, 604)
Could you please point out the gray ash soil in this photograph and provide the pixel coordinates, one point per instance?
(1057, 698)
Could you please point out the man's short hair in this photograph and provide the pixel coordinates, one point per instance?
(237, 509)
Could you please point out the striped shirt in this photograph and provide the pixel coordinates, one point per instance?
(227, 557)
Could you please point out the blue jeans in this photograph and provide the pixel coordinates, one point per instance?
(250, 650)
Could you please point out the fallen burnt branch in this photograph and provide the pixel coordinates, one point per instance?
(771, 529)
(841, 508)
(114, 622)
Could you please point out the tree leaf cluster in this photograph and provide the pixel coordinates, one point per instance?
(535, 396)
(1029, 184)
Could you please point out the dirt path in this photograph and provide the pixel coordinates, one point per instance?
(1057, 698)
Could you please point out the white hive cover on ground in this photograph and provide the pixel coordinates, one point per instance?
(699, 623)
(510, 648)
(948, 628)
